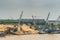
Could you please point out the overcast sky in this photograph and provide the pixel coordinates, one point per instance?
(11, 9)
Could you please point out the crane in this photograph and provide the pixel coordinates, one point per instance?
(34, 20)
(58, 19)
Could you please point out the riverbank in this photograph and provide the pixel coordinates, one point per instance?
(32, 37)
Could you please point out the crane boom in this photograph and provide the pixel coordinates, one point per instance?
(47, 17)
(20, 17)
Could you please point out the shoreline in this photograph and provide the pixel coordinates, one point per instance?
(32, 37)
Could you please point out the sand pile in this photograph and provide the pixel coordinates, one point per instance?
(28, 30)
(3, 28)
(17, 29)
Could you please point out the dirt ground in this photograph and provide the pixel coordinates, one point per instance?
(32, 37)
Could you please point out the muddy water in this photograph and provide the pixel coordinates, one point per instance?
(32, 37)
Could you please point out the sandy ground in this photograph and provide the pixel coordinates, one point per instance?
(32, 37)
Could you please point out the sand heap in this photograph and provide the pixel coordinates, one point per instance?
(19, 29)
(3, 28)
(27, 30)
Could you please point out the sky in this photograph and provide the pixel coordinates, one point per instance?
(11, 9)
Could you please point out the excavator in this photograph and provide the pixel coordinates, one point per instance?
(50, 29)
(45, 29)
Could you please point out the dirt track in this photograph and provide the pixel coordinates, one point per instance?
(32, 37)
